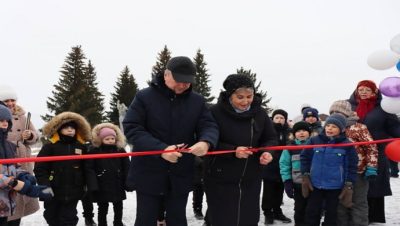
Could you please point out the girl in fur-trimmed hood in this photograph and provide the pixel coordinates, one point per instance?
(68, 133)
(120, 140)
(106, 177)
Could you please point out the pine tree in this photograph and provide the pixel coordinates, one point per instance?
(125, 90)
(76, 90)
(202, 78)
(263, 94)
(163, 57)
(93, 104)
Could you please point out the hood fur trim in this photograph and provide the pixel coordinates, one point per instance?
(18, 110)
(82, 130)
(120, 139)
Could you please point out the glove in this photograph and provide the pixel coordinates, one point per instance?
(289, 188)
(371, 173)
(25, 176)
(37, 191)
(346, 196)
(306, 186)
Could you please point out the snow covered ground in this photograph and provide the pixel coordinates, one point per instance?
(392, 213)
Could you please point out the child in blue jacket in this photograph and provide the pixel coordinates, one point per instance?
(328, 172)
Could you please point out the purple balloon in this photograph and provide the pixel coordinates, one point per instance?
(390, 87)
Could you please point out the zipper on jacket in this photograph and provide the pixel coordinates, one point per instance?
(244, 171)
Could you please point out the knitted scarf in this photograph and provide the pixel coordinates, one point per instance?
(365, 106)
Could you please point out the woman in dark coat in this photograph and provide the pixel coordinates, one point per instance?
(366, 101)
(106, 177)
(233, 181)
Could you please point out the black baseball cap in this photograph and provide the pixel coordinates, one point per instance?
(182, 68)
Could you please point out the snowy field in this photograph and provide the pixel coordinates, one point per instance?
(392, 213)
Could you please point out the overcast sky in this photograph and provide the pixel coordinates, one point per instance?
(302, 51)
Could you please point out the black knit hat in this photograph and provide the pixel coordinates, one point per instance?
(182, 69)
(280, 112)
(236, 81)
(310, 112)
(301, 126)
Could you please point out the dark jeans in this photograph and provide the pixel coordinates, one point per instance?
(60, 213)
(272, 197)
(148, 206)
(103, 210)
(317, 198)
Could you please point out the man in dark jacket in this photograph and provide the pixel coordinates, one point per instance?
(168, 115)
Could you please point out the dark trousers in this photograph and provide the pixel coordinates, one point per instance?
(394, 168)
(161, 210)
(87, 205)
(233, 204)
(3, 221)
(376, 210)
(60, 213)
(300, 204)
(272, 197)
(198, 193)
(16, 222)
(148, 209)
(317, 198)
(103, 210)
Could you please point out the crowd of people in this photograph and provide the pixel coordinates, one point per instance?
(336, 184)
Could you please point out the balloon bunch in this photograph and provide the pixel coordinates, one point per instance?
(390, 86)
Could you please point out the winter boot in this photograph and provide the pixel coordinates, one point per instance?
(282, 217)
(269, 219)
(90, 222)
(161, 223)
(198, 214)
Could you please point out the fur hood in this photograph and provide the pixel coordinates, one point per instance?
(18, 110)
(120, 139)
(82, 132)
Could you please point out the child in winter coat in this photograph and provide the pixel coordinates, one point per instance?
(12, 179)
(289, 164)
(328, 172)
(310, 115)
(106, 177)
(367, 166)
(68, 132)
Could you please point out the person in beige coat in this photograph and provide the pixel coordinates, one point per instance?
(22, 136)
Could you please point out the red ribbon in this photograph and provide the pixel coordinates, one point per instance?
(158, 152)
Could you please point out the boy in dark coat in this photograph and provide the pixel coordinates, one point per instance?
(106, 177)
(68, 131)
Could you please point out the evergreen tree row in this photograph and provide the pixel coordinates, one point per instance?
(77, 89)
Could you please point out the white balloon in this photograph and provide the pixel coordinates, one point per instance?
(383, 59)
(391, 104)
(395, 44)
